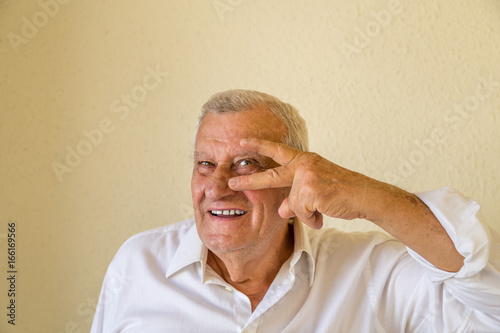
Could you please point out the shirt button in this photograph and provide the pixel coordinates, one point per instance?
(229, 289)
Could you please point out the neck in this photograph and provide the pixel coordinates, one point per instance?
(252, 273)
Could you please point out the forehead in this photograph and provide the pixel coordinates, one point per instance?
(229, 128)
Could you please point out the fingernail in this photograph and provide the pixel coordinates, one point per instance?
(244, 141)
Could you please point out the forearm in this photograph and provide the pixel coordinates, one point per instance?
(408, 219)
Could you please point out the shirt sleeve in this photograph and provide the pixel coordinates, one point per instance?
(112, 286)
(117, 281)
(477, 284)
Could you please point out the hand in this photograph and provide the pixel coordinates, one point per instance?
(317, 186)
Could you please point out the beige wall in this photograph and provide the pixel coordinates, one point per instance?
(406, 92)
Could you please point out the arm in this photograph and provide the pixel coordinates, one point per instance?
(465, 301)
(318, 186)
(442, 230)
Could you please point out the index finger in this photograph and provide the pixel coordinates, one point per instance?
(270, 178)
(279, 152)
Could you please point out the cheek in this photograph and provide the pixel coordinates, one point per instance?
(270, 199)
(197, 190)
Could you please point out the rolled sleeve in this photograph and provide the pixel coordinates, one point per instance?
(460, 217)
(477, 283)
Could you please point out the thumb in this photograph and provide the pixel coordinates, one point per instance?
(285, 211)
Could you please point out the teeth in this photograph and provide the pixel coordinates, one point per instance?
(228, 212)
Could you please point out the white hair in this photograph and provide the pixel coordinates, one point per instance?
(237, 100)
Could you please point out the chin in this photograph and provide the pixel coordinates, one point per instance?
(222, 244)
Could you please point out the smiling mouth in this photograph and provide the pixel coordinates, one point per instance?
(227, 212)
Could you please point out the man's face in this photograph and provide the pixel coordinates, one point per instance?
(227, 220)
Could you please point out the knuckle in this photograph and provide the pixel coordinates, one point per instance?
(309, 175)
(274, 174)
(280, 148)
(308, 190)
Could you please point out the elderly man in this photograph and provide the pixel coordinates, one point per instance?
(256, 258)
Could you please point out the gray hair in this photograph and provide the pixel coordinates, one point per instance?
(237, 100)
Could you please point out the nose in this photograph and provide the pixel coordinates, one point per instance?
(217, 185)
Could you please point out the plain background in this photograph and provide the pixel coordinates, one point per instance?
(405, 92)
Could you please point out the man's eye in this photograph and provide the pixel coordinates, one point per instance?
(246, 163)
(205, 163)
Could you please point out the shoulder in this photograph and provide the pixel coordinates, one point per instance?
(155, 243)
(172, 232)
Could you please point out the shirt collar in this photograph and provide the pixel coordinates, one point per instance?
(302, 245)
(192, 250)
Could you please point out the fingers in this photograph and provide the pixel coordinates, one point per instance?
(282, 176)
(279, 152)
(270, 178)
(314, 219)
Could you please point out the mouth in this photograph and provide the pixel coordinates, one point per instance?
(227, 213)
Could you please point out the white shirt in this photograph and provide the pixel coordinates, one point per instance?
(333, 282)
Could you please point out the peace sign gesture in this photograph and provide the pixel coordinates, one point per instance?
(317, 186)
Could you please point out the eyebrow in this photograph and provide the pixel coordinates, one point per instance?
(244, 153)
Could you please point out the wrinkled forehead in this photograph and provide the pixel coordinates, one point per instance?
(229, 128)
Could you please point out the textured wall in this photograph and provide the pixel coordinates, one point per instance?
(99, 100)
